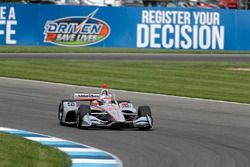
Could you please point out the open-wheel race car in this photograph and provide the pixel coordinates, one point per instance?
(103, 110)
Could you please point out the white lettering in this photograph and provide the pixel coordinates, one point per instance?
(144, 16)
(206, 18)
(165, 17)
(195, 37)
(180, 30)
(205, 37)
(218, 37)
(142, 36)
(10, 31)
(154, 35)
(183, 37)
(12, 15)
(177, 36)
(196, 17)
(166, 42)
(8, 20)
(3, 13)
(188, 43)
(216, 18)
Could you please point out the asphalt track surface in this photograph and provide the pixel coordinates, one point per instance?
(132, 56)
(187, 132)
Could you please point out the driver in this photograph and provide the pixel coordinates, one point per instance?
(105, 96)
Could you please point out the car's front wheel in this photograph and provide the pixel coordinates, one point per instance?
(145, 111)
(82, 111)
(63, 113)
(60, 113)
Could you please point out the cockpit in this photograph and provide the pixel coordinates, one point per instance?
(105, 97)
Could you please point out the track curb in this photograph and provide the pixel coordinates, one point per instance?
(80, 155)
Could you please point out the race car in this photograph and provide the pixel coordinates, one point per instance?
(103, 110)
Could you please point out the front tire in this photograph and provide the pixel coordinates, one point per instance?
(82, 111)
(60, 117)
(145, 111)
(61, 111)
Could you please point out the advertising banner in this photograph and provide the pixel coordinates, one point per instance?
(124, 27)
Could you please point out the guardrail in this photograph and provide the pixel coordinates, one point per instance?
(124, 27)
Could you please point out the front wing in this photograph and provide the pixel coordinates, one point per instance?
(141, 122)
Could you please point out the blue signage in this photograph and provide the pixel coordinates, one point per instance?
(124, 27)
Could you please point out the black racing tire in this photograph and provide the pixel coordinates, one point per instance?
(142, 112)
(82, 111)
(61, 110)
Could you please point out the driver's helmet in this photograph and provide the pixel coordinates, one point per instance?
(106, 97)
(104, 92)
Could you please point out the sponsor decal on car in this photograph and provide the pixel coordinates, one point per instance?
(76, 30)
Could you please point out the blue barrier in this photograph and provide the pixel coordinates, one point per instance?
(124, 27)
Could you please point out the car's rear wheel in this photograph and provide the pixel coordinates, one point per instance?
(82, 111)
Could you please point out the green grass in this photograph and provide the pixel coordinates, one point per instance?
(209, 80)
(42, 49)
(16, 151)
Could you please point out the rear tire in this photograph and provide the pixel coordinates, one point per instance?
(144, 111)
(82, 111)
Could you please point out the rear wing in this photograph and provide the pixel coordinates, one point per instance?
(85, 96)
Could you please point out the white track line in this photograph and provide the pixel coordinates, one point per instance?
(44, 139)
(95, 161)
(66, 149)
(6, 129)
